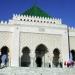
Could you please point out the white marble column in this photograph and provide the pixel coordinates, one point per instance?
(15, 47)
(32, 57)
(65, 47)
(51, 60)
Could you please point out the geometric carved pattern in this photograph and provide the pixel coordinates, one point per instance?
(5, 39)
(34, 39)
(72, 42)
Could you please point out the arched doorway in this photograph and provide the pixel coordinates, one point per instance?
(56, 57)
(4, 59)
(25, 58)
(40, 51)
(73, 55)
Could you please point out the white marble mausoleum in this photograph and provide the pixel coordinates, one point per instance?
(37, 40)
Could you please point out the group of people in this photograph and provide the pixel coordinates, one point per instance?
(69, 63)
(4, 56)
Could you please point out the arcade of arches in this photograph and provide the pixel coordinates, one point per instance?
(40, 52)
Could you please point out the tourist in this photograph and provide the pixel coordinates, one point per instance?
(4, 56)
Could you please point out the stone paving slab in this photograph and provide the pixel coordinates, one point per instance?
(36, 71)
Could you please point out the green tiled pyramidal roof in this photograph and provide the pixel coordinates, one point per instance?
(35, 11)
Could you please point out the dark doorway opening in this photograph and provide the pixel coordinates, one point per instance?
(73, 55)
(25, 58)
(4, 56)
(40, 51)
(39, 61)
(56, 53)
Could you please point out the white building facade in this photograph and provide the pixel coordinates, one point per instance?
(24, 31)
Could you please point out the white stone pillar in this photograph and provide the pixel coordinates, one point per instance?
(51, 60)
(65, 47)
(32, 57)
(15, 47)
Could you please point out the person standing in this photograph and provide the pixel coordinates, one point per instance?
(4, 56)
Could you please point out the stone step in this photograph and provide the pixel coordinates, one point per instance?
(36, 71)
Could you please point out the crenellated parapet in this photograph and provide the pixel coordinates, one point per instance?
(18, 19)
(36, 19)
(3, 22)
(71, 28)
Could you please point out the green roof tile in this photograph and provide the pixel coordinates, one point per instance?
(35, 11)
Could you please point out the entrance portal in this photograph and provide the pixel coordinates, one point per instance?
(25, 58)
(73, 54)
(40, 51)
(4, 56)
(56, 53)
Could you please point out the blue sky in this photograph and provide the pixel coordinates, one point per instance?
(64, 9)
